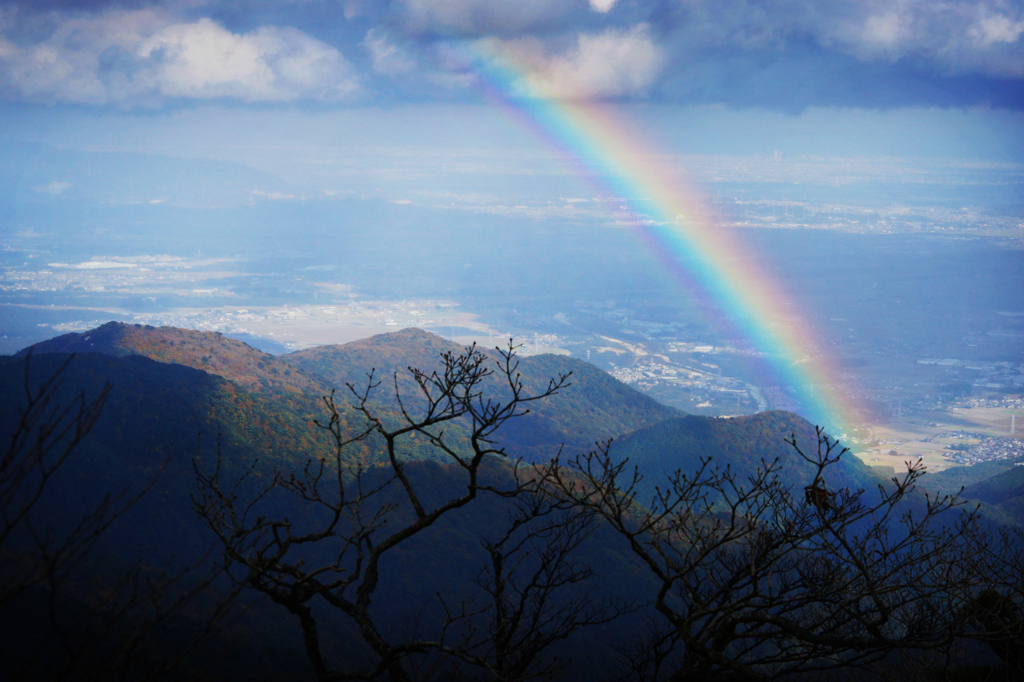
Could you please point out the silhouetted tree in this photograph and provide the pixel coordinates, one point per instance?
(531, 568)
(355, 514)
(995, 614)
(754, 581)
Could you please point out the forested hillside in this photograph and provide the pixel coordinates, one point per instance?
(397, 546)
(595, 407)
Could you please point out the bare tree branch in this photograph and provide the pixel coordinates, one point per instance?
(356, 513)
(757, 582)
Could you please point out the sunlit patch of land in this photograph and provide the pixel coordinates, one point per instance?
(929, 438)
(540, 350)
(905, 441)
(992, 421)
(137, 275)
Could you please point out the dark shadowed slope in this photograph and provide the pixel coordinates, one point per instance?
(152, 419)
(157, 408)
(997, 485)
(1004, 492)
(741, 443)
(954, 478)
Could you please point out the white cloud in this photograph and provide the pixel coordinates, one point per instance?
(610, 64)
(53, 188)
(387, 58)
(204, 60)
(274, 196)
(602, 6)
(958, 36)
(561, 48)
(144, 57)
(885, 30)
(996, 29)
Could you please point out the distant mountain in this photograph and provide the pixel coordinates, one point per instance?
(169, 385)
(595, 407)
(1000, 488)
(338, 365)
(997, 485)
(211, 352)
(952, 479)
(1003, 494)
(741, 443)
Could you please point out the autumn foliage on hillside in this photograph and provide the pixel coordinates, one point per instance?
(211, 352)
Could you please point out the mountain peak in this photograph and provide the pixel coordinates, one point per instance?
(595, 406)
(211, 352)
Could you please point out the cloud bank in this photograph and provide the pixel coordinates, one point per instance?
(609, 64)
(782, 54)
(146, 57)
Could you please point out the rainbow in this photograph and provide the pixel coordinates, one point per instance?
(683, 234)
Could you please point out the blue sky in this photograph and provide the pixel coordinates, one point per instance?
(365, 140)
(852, 77)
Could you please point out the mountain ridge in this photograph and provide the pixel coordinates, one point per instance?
(211, 352)
(595, 406)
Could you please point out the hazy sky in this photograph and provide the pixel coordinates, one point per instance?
(368, 135)
(842, 77)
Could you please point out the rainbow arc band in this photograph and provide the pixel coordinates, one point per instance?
(680, 231)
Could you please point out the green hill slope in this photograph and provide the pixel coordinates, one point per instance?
(997, 485)
(595, 407)
(152, 419)
(954, 478)
(999, 488)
